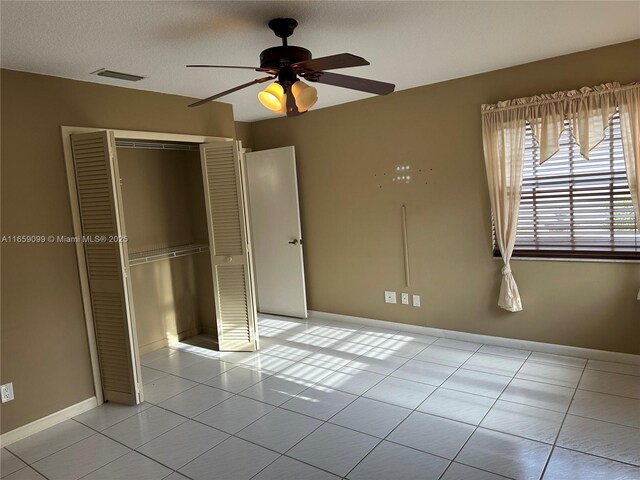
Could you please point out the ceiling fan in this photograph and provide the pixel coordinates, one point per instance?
(286, 63)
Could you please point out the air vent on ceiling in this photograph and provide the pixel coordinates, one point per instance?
(103, 72)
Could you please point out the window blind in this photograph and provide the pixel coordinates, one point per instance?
(572, 207)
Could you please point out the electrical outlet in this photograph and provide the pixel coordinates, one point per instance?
(389, 297)
(416, 300)
(405, 298)
(7, 392)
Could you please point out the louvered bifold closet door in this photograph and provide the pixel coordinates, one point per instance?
(224, 193)
(97, 184)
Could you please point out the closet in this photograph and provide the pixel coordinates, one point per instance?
(165, 217)
(165, 254)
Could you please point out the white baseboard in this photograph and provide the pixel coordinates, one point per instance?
(166, 342)
(150, 347)
(48, 421)
(552, 348)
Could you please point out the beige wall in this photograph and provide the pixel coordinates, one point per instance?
(163, 200)
(44, 344)
(244, 134)
(351, 211)
(170, 300)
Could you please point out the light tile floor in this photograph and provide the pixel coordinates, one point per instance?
(326, 400)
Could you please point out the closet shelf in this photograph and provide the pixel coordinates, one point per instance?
(164, 253)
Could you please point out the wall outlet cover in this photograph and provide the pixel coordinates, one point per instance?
(389, 297)
(7, 392)
(416, 300)
(405, 298)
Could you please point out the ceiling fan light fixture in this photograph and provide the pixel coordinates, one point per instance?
(272, 97)
(305, 96)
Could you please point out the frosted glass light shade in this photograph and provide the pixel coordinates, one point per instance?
(272, 96)
(283, 104)
(305, 96)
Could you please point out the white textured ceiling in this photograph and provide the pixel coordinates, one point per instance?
(407, 43)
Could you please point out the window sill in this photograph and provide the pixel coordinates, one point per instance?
(563, 259)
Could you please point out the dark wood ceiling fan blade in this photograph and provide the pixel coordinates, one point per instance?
(354, 83)
(292, 108)
(231, 90)
(256, 69)
(341, 60)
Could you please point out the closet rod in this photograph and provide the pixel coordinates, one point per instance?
(147, 145)
(164, 253)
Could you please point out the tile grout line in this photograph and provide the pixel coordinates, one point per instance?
(111, 461)
(118, 458)
(57, 451)
(612, 460)
(230, 435)
(412, 410)
(483, 417)
(29, 465)
(234, 435)
(131, 450)
(555, 441)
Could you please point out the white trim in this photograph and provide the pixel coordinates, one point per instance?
(66, 132)
(144, 135)
(567, 259)
(48, 421)
(552, 348)
(168, 137)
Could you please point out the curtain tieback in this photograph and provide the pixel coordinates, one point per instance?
(506, 270)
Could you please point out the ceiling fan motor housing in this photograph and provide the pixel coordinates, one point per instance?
(280, 57)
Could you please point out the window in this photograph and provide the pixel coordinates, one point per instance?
(576, 208)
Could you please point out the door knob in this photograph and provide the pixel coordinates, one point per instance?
(294, 241)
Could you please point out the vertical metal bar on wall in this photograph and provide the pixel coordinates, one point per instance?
(407, 277)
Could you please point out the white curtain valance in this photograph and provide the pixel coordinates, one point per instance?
(588, 111)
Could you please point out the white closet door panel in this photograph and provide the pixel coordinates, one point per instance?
(97, 185)
(235, 309)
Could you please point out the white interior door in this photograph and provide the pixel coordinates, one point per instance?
(229, 246)
(276, 232)
(99, 199)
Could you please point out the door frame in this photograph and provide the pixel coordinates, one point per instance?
(66, 132)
